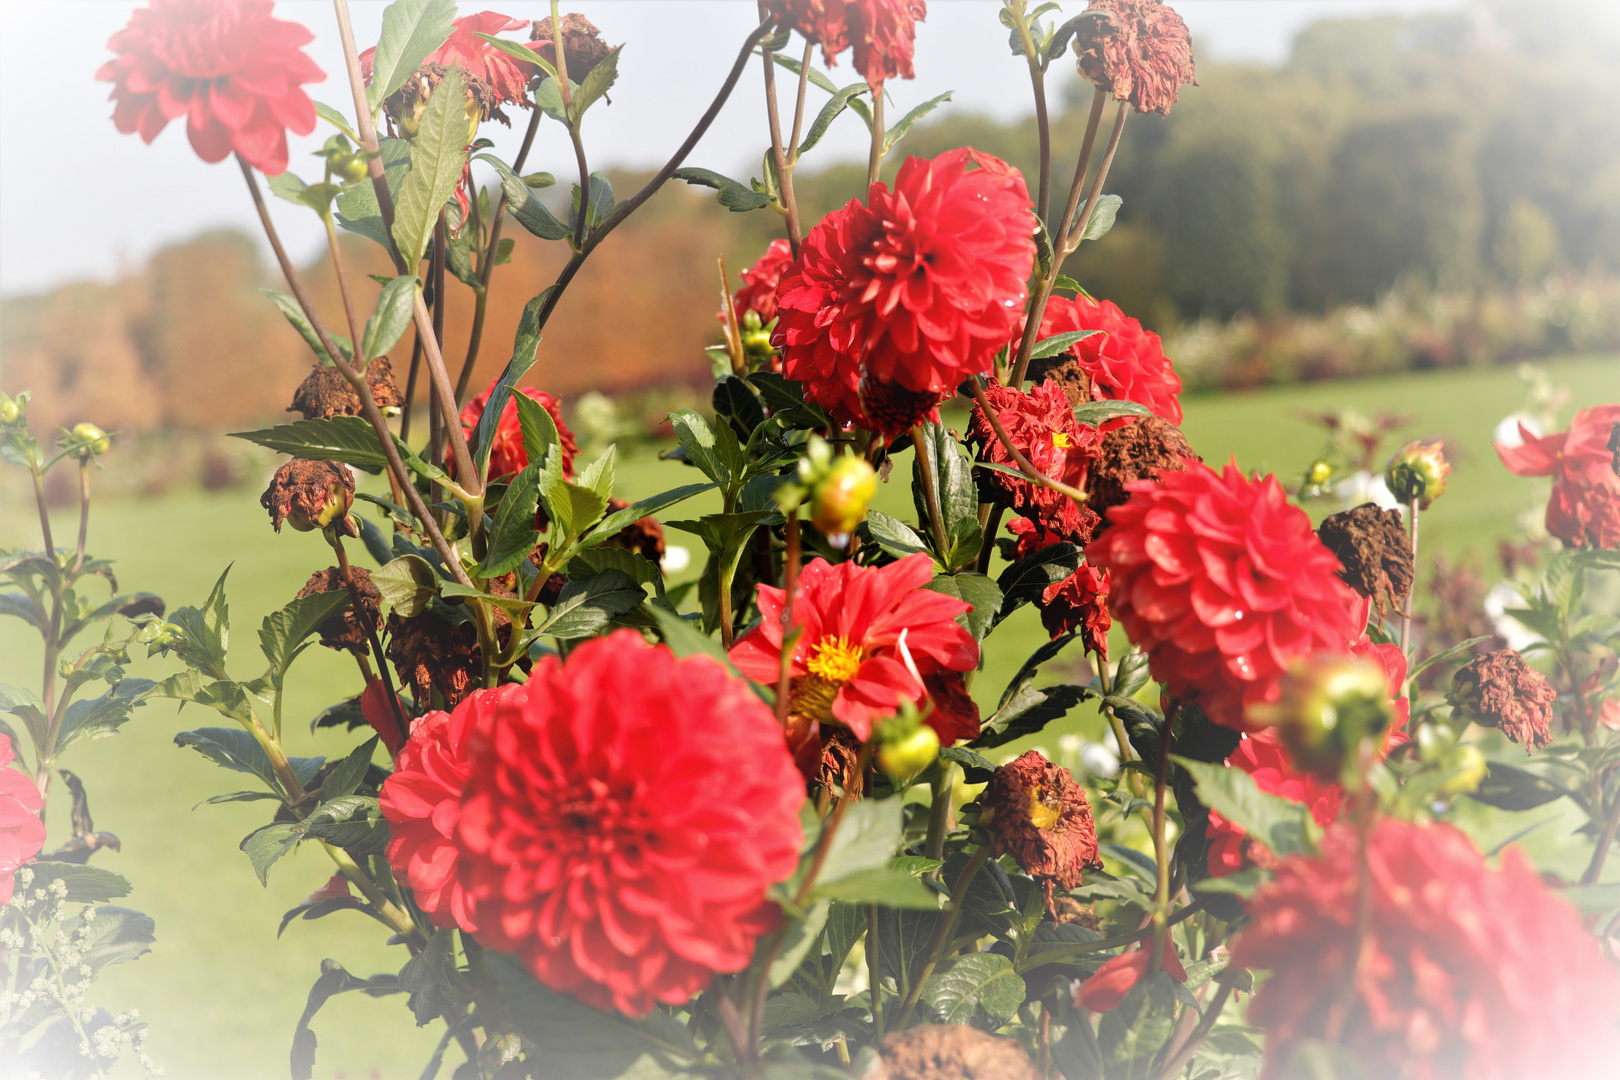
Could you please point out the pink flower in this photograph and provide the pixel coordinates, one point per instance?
(22, 833)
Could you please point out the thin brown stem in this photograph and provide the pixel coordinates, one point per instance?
(341, 272)
(1161, 848)
(874, 976)
(784, 177)
(798, 105)
(1037, 80)
(790, 589)
(991, 526)
(410, 388)
(84, 512)
(44, 515)
(1030, 471)
(1177, 1061)
(1600, 855)
(942, 935)
(366, 128)
(925, 467)
(1412, 538)
(346, 572)
(1070, 237)
(874, 162)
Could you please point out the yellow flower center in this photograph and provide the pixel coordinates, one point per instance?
(1043, 815)
(1060, 439)
(835, 660)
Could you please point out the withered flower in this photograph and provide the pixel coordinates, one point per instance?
(949, 1052)
(1066, 370)
(582, 44)
(1139, 450)
(1035, 810)
(431, 654)
(326, 393)
(1137, 50)
(311, 495)
(1375, 551)
(1500, 690)
(344, 631)
(645, 537)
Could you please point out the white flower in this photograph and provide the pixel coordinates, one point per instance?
(1507, 432)
(1365, 487)
(676, 559)
(1515, 633)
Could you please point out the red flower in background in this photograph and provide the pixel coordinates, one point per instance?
(626, 813)
(507, 455)
(1078, 602)
(1109, 984)
(1466, 971)
(1224, 585)
(22, 833)
(1124, 361)
(231, 69)
(758, 292)
(872, 636)
(891, 305)
(1041, 425)
(1584, 510)
(506, 78)
(883, 32)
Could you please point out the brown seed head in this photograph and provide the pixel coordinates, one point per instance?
(949, 1052)
(1036, 811)
(344, 631)
(582, 44)
(1500, 690)
(1140, 450)
(311, 495)
(1374, 551)
(325, 393)
(1137, 50)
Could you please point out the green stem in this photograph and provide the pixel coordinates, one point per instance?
(784, 175)
(925, 468)
(943, 935)
(940, 781)
(1161, 848)
(1412, 536)
(84, 512)
(874, 975)
(874, 164)
(44, 515)
(390, 912)
(790, 639)
(1037, 78)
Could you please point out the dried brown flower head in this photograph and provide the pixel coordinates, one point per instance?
(326, 393)
(311, 495)
(1137, 50)
(1140, 450)
(582, 44)
(949, 1052)
(1500, 690)
(344, 630)
(1375, 552)
(431, 654)
(645, 537)
(1036, 811)
(1065, 370)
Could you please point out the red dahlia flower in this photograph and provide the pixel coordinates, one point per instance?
(1137, 50)
(1224, 585)
(1041, 425)
(872, 636)
(22, 833)
(1465, 970)
(506, 455)
(1585, 507)
(1124, 362)
(892, 304)
(626, 813)
(883, 32)
(422, 802)
(506, 78)
(227, 66)
(1079, 601)
(758, 292)
(1109, 984)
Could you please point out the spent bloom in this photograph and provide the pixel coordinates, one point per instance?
(893, 303)
(507, 455)
(22, 833)
(311, 495)
(1137, 50)
(1465, 970)
(492, 78)
(325, 392)
(872, 637)
(1041, 424)
(1140, 449)
(231, 69)
(582, 44)
(1500, 690)
(882, 32)
(1374, 552)
(1038, 814)
(1584, 510)
(1224, 585)
(625, 815)
(1122, 361)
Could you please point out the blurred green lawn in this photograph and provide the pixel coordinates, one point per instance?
(222, 994)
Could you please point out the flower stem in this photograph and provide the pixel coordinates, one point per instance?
(1406, 622)
(44, 515)
(360, 616)
(341, 273)
(940, 783)
(390, 912)
(1037, 79)
(784, 175)
(84, 513)
(874, 164)
(936, 518)
(790, 589)
(874, 977)
(798, 106)
(1178, 1060)
(942, 935)
(1161, 847)
(1600, 854)
(1029, 471)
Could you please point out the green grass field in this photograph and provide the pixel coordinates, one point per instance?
(222, 994)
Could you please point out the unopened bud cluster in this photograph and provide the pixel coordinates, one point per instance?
(838, 490)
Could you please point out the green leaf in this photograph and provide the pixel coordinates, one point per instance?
(288, 307)
(587, 605)
(1593, 898)
(598, 203)
(802, 936)
(1452, 653)
(684, 638)
(599, 474)
(437, 157)
(1026, 672)
(411, 31)
(283, 632)
(734, 195)
(1131, 675)
(237, 750)
(539, 429)
(962, 986)
(1027, 712)
(334, 980)
(20, 606)
(85, 884)
(521, 52)
(407, 583)
(514, 534)
(26, 706)
(336, 119)
(1275, 822)
(697, 440)
(1066, 282)
(351, 822)
(972, 588)
(893, 535)
(1025, 580)
(597, 82)
(1058, 343)
(524, 345)
(619, 520)
(348, 773)
(1508, 788)
(574, 508)
(903, 127)
(867, 838)
(96, 718)
(266, 845)
(116, 936)
(953, 478)
(206, 631)
(395, 306)
(347, 439)
(1102, 218)
(357, 209)
(975, 769)
(521, 201)
(829, 112)
(880, 885)
(1094, 413)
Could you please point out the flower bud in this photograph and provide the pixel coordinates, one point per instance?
(379, 713)
(1328, 705)
(10, 410)
(1417, 473)
(351, 167)
(310, 495)
(838, 500)
(909, 754)
(1319, 472)
(91, 439)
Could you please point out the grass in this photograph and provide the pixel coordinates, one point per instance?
(222, 994)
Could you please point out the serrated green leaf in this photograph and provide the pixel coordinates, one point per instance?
(288, 306)
(283, 632)
(514, 534)
(587, 605)
(829, 112)
(348, 773)
(1275, 822)
(1093, 413)
(1102, 218)
(619, 520)
(903, 127)
(266, 845)
(597, 82)
(412, 30)
(237, 750)
(347, 439)
(522, 203)
(893, 535)
(437, 156)
(879, 885)
(407, 584)
(538, 428)
(1059, 343)
(85, 884)
(732, 194)
(337, 120)
(524, 346)
(1027, 712)
(963, 985)
(975, 589)
(357, 209)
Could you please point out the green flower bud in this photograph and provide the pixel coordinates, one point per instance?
(909, 754)
(1319, 472)
(1417, 473)
(1468, 770)
(91, 438)
(351, 167)
(838, 501)
(10, 411)
(1328, 705)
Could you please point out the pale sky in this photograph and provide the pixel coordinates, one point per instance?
(79, 201)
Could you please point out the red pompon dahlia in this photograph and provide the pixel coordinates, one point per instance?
(506, 455)
(22, 833)
(231, 69)
(883, 32)
(892, 304)
(422, 802)
(1124, 361)
(1224, 585)
(1079, 603)
(871, 637)
(1040, 423)
(626, 813)
(1137, 50)
(505, 78)
(758, 292)
(1584, 510)
(1465, 971)
(1109, 984)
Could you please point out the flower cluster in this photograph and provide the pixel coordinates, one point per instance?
(1464, 970)
(893, 303)
(1585, 507)
(614, 822)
